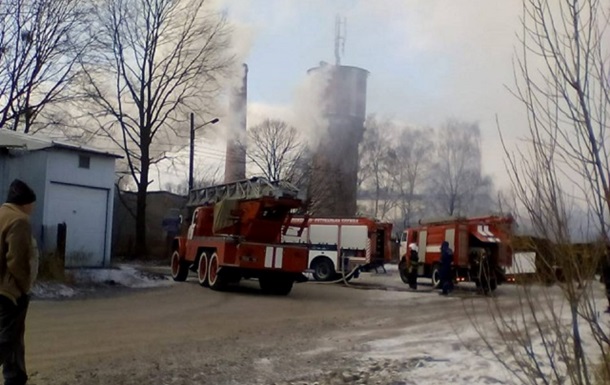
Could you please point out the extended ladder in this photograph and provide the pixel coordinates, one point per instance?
(244, 189)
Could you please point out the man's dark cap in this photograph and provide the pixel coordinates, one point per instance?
(20, 193)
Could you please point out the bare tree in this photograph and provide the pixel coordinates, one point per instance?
(410, 168)
(556, 335)
(327, 192)
(156, 61)
(41, 43)
(203, 178)
(276, 150)
(456, 177)
(377, 155)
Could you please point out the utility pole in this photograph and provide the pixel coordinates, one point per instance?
(192, 152)
(192, 147)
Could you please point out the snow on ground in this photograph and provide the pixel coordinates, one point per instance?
(391, 267)
(437, 352)
(123, 275)
(440, 355)
(453, 352)
(446, 349)
(433, 353)
(127, 276)
(53, 290)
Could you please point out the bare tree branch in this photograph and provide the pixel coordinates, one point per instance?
(41, 43)
(276, 150)
(559, 175)
(164, 58)
(377, 156)
(410, 168)
(456, 179)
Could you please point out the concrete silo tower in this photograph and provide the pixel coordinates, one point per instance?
(342, 103)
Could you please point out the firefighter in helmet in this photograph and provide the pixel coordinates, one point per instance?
(413, 265)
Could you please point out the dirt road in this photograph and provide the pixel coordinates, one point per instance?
(185, 334)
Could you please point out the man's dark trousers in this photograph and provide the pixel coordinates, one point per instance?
(446, 279)
(12, 344)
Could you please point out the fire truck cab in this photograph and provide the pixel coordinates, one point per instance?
(338, 246)
(481, 250)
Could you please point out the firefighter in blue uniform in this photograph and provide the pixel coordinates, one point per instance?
(446, 279)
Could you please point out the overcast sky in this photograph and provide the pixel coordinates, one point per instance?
(428, 60)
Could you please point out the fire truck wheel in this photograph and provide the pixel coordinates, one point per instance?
(436, 275)
(202, 270)
(275, 285)
(180, 269)
(402, 270)
(215, 278)
(323, 269)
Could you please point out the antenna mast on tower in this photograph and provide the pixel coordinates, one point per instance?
(340, 35)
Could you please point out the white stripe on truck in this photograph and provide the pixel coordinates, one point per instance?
(279, 256)
(269, 257)
(487, 232)
(433, 249)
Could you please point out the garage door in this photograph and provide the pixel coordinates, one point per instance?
(84, 210)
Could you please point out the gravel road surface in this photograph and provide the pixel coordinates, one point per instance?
(185, 334)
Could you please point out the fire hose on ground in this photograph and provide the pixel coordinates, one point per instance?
(344, 277)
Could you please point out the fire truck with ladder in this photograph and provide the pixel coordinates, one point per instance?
(234, 234)
(481, 248)
(341, 247)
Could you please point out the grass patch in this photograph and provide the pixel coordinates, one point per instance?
(51, 268)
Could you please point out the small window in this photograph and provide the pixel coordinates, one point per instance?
(272, 214)
(84, 161)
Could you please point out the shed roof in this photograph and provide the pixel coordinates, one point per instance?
(16, 140)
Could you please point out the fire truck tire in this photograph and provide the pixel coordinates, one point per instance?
(202, 270)
(436, 275)
(402, 270)
(275, 285)
(216, 280)
(180, 269)
(323, 269)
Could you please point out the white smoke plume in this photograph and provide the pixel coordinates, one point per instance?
(243, 36)
(305, 112)
(309, 116)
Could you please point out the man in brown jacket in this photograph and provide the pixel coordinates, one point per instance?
(17, 262)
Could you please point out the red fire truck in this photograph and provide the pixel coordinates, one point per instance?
(337, 246)
(234, 233)
(480, 245)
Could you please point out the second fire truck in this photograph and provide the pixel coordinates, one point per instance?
(340, 246)
(481, 249)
